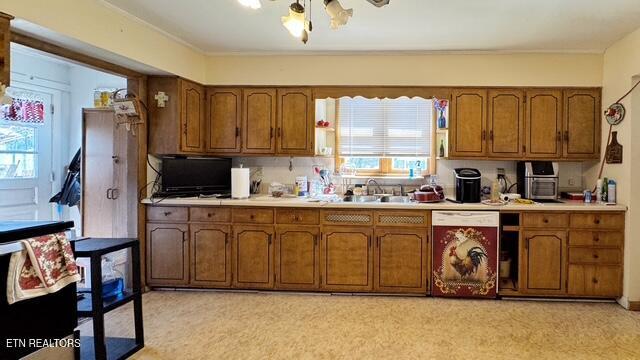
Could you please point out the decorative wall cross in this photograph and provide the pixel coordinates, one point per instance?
(161, 98)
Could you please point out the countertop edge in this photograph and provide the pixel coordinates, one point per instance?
(299, 203)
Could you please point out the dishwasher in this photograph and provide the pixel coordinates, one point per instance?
(465, 253)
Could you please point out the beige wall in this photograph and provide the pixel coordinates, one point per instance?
(92, 22)
(621, 65)
(433, 69)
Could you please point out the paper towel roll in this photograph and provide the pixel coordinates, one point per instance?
(240, 183)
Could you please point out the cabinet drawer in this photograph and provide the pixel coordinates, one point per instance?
(598, 221)
(592, 280)
(596, 238)
(401, 218)
(595, 256)
(220, 215)
(297, 216)
(167, 213)
(545, 220)
(347, 217)
(253, 216)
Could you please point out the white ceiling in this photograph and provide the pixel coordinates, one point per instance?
(224, 26)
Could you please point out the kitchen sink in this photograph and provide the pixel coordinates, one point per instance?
(360, 198)
(396, 199)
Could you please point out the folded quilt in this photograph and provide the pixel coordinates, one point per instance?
(44, 266)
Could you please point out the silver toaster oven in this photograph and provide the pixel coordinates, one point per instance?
(538, 180)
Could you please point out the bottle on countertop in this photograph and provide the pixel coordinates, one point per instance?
(611, 191)
(599, 184)
(605, 183)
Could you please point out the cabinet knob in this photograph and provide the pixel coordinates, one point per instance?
(594, 280)
(596, 221)
(209, 214)
(252, 217)
(595, 256)
(596, 239)
(545, 220)
(167, 213)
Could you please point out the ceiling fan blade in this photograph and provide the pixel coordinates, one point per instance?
(379, 3)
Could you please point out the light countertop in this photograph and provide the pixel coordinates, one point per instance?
(268, 201)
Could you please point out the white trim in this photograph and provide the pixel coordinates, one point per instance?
(151, 26)
(399, 52)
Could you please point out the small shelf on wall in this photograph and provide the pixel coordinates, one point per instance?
(325, 128)
(325, 136)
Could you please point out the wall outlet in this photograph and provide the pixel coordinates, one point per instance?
(571, 181)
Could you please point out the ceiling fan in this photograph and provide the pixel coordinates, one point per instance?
(299, 25)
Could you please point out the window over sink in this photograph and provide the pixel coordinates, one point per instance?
(385, 136)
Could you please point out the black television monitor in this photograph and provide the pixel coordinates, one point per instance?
(194, 175)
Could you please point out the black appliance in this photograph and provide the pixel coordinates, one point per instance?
(467, 185)
(194, 176)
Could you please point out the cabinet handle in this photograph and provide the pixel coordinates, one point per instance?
(596, 221)
(167, 213)
(115, 193)
(545, 220)
(524, 148)
(491, 135)
(594, 280)
(115, 159)
(270, 239)
(271, 132)
(378, 240)
(109, 193)
(595, 256)
(237, 131)
(484, 134)
(209, 215)
(279, 132)
(184, 236)
(566, 135)
(559, 136)
(184, 131)
(252, 217)
(596, 238)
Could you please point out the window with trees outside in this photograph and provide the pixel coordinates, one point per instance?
(385, 136)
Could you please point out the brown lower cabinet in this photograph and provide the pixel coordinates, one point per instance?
(401, 260)
(297, 257)
(210, 255)
(347, 254)
(595, 280)
(543, 261)
(253, 256)
(167, 254)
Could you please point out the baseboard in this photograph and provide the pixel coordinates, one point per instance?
(634, 305)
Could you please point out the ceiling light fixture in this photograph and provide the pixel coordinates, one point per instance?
(339, 15)
(295, 22)
(253, 4)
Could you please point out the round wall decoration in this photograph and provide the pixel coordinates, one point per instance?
(615, 114)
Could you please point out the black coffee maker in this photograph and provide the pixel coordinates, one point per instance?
(467, 184)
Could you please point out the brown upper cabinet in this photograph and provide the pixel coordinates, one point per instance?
(468, 123)
(506, 123)
(179, 126)
(524, 124)
(296, 126)
(581, 137)
(224, 120)
(5, 37)
(259, 121)
(543, 125)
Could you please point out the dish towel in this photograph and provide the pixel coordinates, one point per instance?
(44, 266)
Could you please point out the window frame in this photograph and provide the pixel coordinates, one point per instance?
(386, 163)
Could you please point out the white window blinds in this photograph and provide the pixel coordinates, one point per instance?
(385, 127)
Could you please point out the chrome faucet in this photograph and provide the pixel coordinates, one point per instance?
(402, 193)
(379, 188)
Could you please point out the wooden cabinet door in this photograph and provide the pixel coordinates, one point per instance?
(253, 257)
(296, 126)
(224, 120)
(506, 123)
(595, 280)
(543, 262)
(210, 255)
(167, 254)
(401, 260)
(259, 121)
(468, 123)
(192, 117)
(5, 37)
(297, 257)
(347, 258)
(543, 124)
(582, 124)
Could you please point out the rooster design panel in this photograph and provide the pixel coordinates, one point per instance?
(464, 261)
